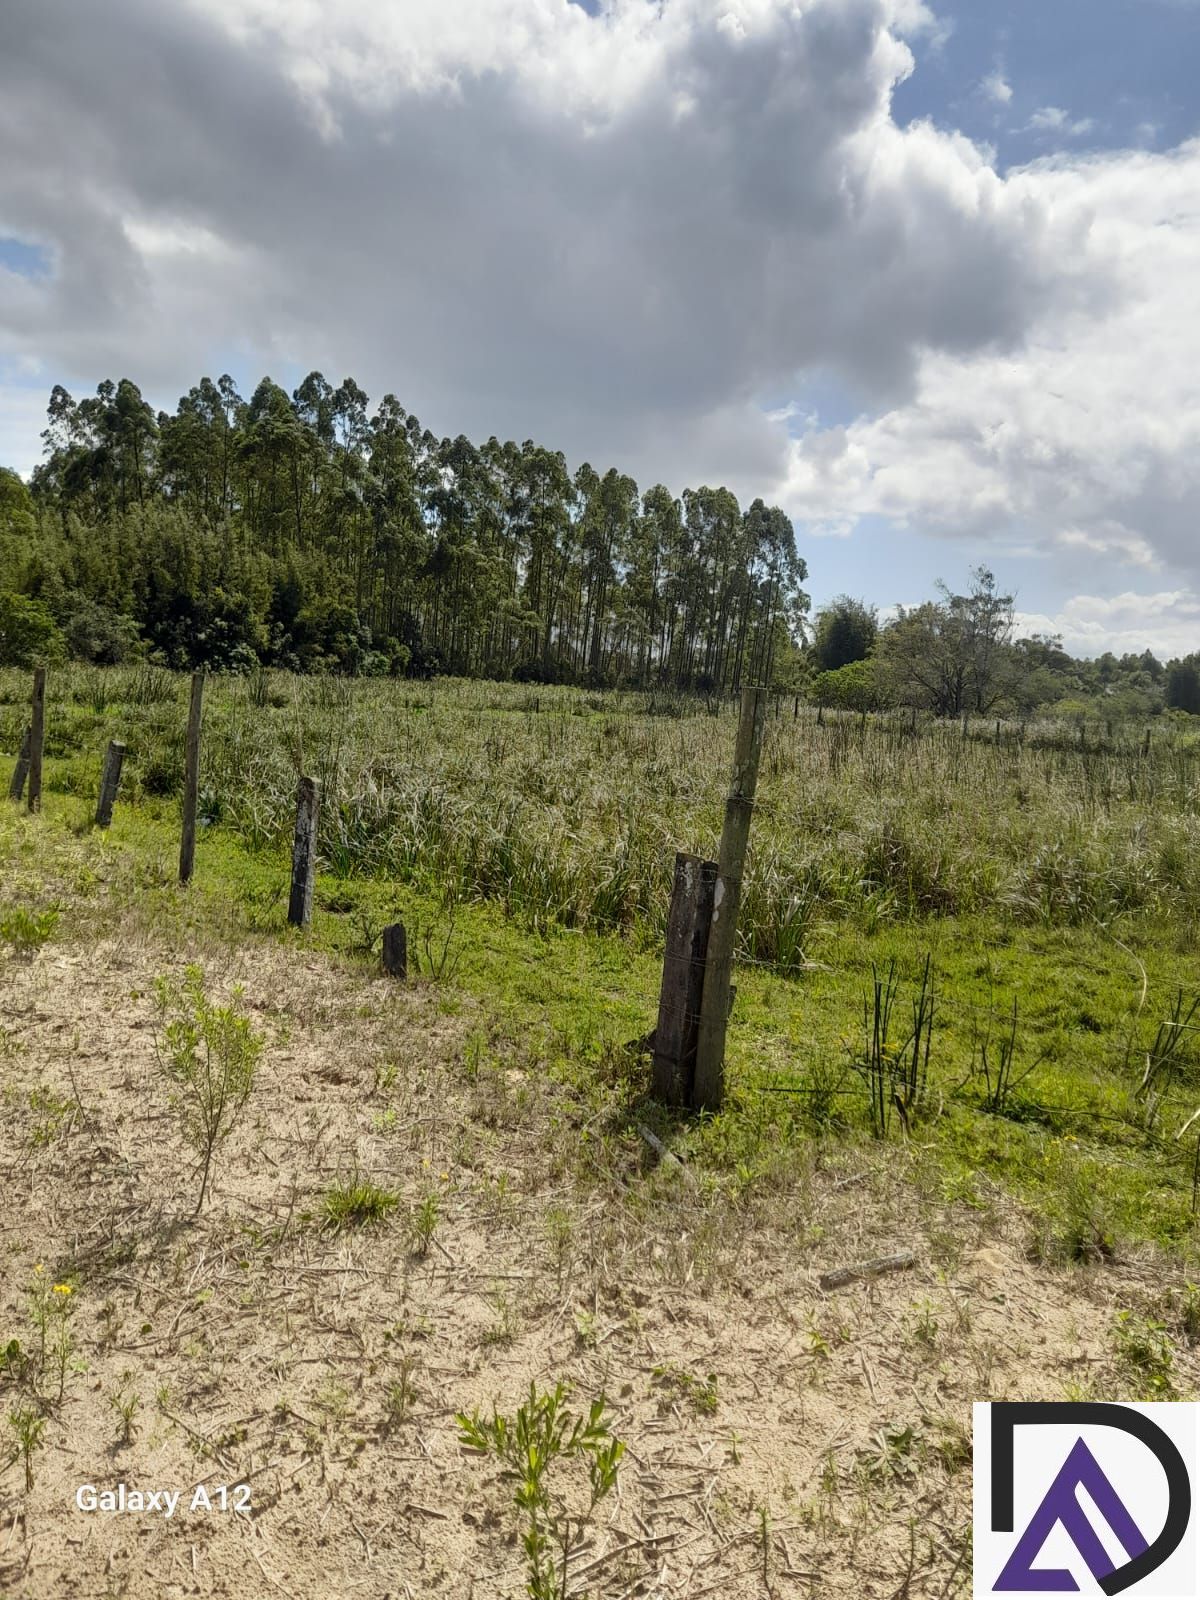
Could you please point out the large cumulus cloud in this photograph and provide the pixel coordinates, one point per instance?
(613, 233)
(627, 236)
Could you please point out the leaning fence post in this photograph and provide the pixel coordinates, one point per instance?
(304, 852)
(21, 771)
(37, 738)
(191, 781)
(709, 1085)
(110, 777)
(674, 1064)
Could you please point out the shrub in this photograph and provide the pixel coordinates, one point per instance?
(209, 1054)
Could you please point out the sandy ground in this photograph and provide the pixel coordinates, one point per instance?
(780, 1440)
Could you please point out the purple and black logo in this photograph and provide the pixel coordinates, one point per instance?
(1084, 1497)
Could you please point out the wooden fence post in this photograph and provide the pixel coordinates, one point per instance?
(304, 852)
(675, 1037)
(191, 780)
(37, 738)
(110, 777)
(709, 1085)
(21, 771)
(395, 950)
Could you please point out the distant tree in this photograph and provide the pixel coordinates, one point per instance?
(846, 631)
(1183, 685)
(951, 655)
(854, 687)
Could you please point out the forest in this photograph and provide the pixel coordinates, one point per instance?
(313, 534)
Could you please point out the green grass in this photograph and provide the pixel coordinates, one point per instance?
(1061, 876)
(358, 1202)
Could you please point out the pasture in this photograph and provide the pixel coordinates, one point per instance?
(440, 1192)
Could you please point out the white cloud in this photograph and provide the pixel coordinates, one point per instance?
(996, 88)
(1167, 622)
(1053, 119)
(609, 233)
(1086, 441)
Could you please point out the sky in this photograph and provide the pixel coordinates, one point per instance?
(926, 275)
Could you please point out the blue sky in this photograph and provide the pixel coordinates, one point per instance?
(703, 240)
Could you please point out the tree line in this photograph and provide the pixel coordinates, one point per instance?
(959, 655)
(312, 533)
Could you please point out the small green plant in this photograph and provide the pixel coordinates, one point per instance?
(560, 1234)
(358, 1202)
(126, 1403)
(894, 1070)
(1167, 1058)
(891, 1452)
(27, 931)
(208, 1054)
(441, 957)
(997, 1066)
(400, 1394)
(28, 1424)
(424, 1225)
(51, 1306)
(543, 1435)
(52, 1116)
(700, 1393)
(503, 1330)
(1145, 1350)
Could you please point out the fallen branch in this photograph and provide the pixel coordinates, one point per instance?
(841, 1276)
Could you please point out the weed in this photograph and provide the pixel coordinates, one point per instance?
(357, 1202)
(506, 1324)
(27, 931)
(28, 1424)
(51, 1307)
(1145, 1350)
(700, 1393)
(532, 1446)
(895, 1070)
(423, 1224)
(208, 1054)
(126, 1403)
(400, 1394)
(891, 1452)
(997, 1066)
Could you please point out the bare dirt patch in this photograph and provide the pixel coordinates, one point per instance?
(781, 1441)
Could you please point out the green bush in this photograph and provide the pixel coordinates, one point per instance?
(28, 633)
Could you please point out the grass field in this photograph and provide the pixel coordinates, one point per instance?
(442, 1187)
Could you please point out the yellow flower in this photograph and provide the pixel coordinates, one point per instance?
(62, 1288)
(39, 1268)
(444, 1176)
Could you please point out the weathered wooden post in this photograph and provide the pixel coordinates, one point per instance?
(110, 777)
(191, 780)
(709, 1084)
(678, 1029)
(304, 852)
(37, 738)
(395, 950)
(21, 771)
